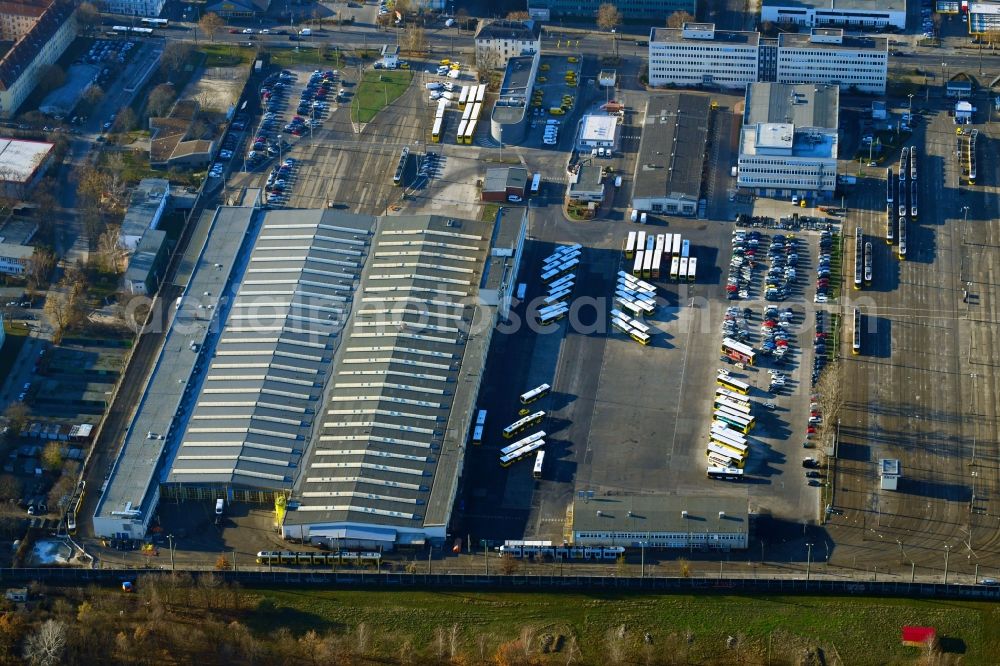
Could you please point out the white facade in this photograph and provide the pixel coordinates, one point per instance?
(14, 258)
(499, 41)
(41, 46)
(149, 8)
(698, 55)
(598, 132)
(826, 56)
(849, 13)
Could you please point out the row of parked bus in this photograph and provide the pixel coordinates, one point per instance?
(900, 206)
(558, 273)
(653, 255)
(862, 260)
(637, 298)
(471, 111)
(545, 549)
(732, 420)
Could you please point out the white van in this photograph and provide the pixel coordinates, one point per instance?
(618, 181)
(219, 506)
(449, 23)
(635, 215)
(306, 32)
(642, 219)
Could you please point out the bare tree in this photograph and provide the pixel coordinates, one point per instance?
(462, 19)
(52, 458)
(125, 121)
(93, 95)
(415, 39)
(17, 416)
(160, 100)
(10, 486)
(211, 23)
(109, 247)
(518, 16)
(487, 60)
(87, 17)
(45, 647)
(174, 58)
(39, 268)
(608, 17)
(677, 19)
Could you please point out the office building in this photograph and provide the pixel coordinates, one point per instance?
(984, 18)
(659, 10)
(662, 521)
(36, 32)
(789, 141)
(149, 8)
(848, 13)
(698, 55)
(499, 41)
(671, 154)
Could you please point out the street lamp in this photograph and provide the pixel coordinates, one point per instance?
(809, 553)
(947, 551)
(170, 538)
(281, 139)
(910, 95)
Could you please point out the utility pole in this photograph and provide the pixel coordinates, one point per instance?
(809, 553)
(170, 538)
(947, 551)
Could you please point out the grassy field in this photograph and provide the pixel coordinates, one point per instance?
(610, 628)
(489, 212)
(226, 55)
(377, 90)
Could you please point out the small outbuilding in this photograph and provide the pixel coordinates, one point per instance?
(503, 182)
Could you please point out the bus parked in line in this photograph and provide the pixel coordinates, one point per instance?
(477, 432)
(523, 424)
(539, 462)
(725, 473)
(725, 381)
(536, 183)
(534, 394)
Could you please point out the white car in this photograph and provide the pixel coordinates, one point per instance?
(247, 31)
(820, 298)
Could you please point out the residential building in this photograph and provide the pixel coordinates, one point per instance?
(172, 145)
(598, 131)
(22, 164)
(499, 41)
(662, 521)
(238, 8)
(390, 56)
(671, 154)
(149, 8)
(503, 182)
(630, 9)
(14, 258)
(848, 13)
(40, 30)
(146, 206)
(827, 55)
(587, 184)
(789, 140)
(146, 265)
(699, 55)
(336, 352)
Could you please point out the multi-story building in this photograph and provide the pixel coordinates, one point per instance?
(499, 41)
(827, 55)
(151, 8)
(699, 55)
(630, 9)
(848, 13)
(40, 31)
(22, 165)
(789, 141)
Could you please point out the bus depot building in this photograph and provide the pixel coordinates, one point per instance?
(662, 521)
(336, 382)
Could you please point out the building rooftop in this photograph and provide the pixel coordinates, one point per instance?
(507, 234)
(142, 260)
(498, 179)
(672, 147)
(18, 231)
(832, 38)
(514, 90)
(588, 179)
(841, 5)
(890, 467)
(524, 31)
(15, 251)
(132, 488)
(50, 18)
(598, 128)
(984, 8)
(677, 35)
(661, 513)
(395, 415)
(250, 428)
(802, 105)
(143, 206)
(20, 159)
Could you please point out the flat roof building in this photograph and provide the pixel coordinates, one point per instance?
(662, 521)
(699, 55)
(630, 9)
(502, 182)
(984, 17)
(827, 55)
(145, 266)
(145, 208)
(598, 131)
(509, 117)
(341, 377)
(587, 184)
(671, 154)
(789, 140)
(848, 13)
(22, 164)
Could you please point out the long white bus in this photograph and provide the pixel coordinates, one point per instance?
(522, 442)
(477, 431)
(720, 450)
(675, 268)
(534, 394)
(629, 247)
(561, 283)
(661, 241)
(676, 249)
(692, 268)
(741, 407)
(726, 410)
(637, 263)
(557, 297)
(553, 314)
(738, 449)
(683, 269)
(727, 434)
(463, 97)
(654, 271)
(636, 284)
(632, 295)
(523, 452)
(732, 421)
(725, 473)
(732, 395)
(630, 307)
(523, 424)
(539, 462)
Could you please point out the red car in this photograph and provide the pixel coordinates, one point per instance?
(811, 430)
(234, 31)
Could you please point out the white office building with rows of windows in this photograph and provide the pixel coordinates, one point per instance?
(847, 13)
(789, 143)
(698, 55)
